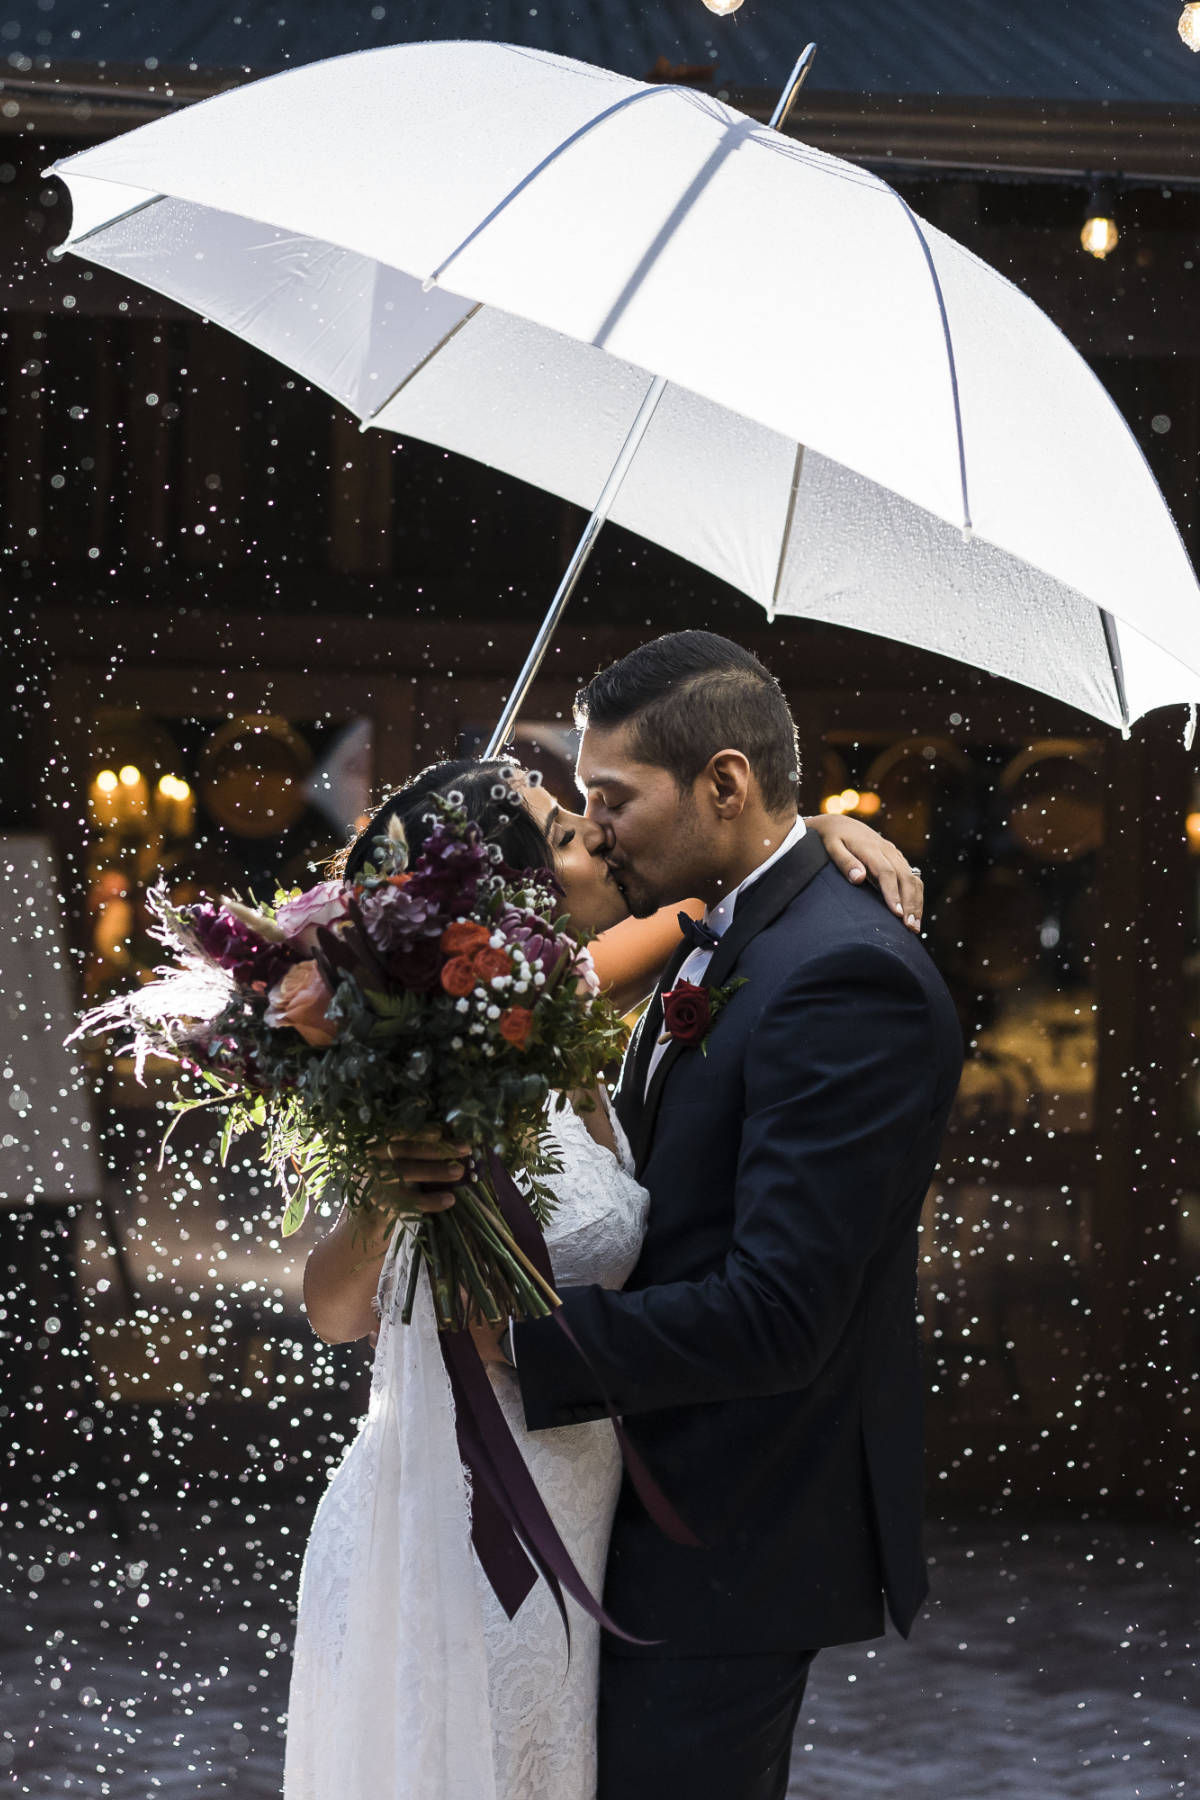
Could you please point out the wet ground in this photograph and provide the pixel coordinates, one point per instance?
(1052, 1661)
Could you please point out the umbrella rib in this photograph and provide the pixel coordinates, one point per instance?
(531, 176)
(797, 467)
(117, 219)
(1113, 645)
(423, 364)
(950, 358)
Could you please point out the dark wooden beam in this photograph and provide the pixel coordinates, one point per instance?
(931, 132)
(1051, 138)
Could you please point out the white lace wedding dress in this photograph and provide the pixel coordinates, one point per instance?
(409, 1682)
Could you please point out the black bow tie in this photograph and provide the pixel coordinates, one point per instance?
(696, 933)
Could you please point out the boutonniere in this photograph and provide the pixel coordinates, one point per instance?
(690, 1012)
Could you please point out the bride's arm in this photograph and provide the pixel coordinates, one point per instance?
(630, 956)
(341, 1276)
(342, 1271)
(860, 854)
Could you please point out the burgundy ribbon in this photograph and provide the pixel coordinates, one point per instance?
(497, 1466)
(524, 1227)
(514, 1536)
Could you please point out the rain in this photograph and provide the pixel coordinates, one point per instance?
(231, 617)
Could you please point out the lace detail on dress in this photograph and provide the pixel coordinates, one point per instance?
(409, 1683)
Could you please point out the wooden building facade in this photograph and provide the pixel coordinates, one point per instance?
(212, 580)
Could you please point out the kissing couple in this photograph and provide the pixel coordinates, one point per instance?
(735, 1244)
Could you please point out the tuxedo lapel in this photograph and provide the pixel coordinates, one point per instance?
(755, 910)
(630, 1095)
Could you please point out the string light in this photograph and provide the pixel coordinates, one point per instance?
(1100, 235)
(851, 801)
(1189, 25)
(723, 8)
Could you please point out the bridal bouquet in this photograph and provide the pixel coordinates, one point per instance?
(437, 992)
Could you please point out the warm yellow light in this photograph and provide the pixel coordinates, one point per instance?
(1189, 25)
(171, 787)
(849, 799)
(868, 805)
(832, 803)
(1099, 236)
(130, 776)
(1192, 827)
(106, 781)
(722, 7)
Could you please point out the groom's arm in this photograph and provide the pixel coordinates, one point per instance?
(842, 1080)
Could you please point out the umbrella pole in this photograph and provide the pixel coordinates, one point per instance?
(575, 567)
(612, 486)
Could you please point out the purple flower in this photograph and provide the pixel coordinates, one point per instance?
(448, 871)
(236, 947)
(540, 948)
(395, 918)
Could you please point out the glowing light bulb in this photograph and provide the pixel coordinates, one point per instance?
(1192, 826)
(722, 7)
(130, 776)
(1189, 25)
(106, 781)
(1099, 236)
(849, 799)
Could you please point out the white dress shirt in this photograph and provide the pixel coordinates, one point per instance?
(719, 918)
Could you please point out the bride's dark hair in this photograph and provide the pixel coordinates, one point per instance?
(487, 797)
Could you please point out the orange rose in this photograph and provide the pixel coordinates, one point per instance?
(458, 976)
(489, 963)
(514, 1025)
(301, 1001)
(464, 937)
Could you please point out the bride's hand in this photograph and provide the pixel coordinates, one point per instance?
(487, 1342)
(860, 854)
(419, 1167)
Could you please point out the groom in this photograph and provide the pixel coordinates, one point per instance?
(764, 1352)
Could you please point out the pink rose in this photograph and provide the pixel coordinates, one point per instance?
(584, 971)
(321, 905)
(301, 1000)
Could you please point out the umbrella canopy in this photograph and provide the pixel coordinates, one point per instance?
(494, 249)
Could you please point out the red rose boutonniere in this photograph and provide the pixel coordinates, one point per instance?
(690, 1012)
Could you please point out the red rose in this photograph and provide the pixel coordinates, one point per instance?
(514, 1025)
(687, 1013)
(417, 967)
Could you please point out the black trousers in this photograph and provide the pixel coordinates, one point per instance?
(698, 1727)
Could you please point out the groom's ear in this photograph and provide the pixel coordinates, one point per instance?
(726, 780)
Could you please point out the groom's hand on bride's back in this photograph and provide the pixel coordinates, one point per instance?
(417, 1172)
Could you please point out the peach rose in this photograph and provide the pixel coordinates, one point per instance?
(515, 1022)
(301, 1000)
(464, 937)
(458, 976)
(489, 963)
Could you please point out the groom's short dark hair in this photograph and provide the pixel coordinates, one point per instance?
(692, 693)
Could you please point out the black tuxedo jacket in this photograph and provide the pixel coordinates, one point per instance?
(764, 1352)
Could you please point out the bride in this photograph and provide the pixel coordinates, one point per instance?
(409, 1681)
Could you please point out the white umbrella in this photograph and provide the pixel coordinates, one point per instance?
(494, 249)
